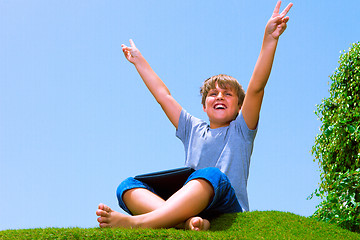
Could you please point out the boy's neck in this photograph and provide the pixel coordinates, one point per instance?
(215, 126)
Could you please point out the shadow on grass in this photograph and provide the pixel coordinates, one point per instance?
(223, 222)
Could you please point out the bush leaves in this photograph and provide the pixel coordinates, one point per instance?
(337, 147)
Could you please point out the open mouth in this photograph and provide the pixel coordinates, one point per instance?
(219, 106)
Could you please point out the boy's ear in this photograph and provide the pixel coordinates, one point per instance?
(204, 108)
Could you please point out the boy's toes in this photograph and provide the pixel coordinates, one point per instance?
(105, 225)
(197, 224)
(102, 213)
(104, 208)
(102, 220)
(194, 223)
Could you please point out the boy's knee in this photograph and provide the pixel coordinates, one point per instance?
(127, 184)
(124, 185)
(224, 200)
(212, 173)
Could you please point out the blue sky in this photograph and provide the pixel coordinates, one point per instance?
(76, 119)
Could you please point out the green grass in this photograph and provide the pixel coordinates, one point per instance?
(249, 225)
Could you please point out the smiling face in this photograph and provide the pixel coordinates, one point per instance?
(221, 106)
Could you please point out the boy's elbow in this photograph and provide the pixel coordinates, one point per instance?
(256, 91)
(256, 87)
(163, 97)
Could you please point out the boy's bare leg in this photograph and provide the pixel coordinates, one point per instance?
(189, 201)
(141, 201)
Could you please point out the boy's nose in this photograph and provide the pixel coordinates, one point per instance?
(220, 96)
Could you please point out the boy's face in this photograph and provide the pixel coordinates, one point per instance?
(221, 106)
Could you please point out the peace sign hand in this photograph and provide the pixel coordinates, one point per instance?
(131, 53)
(277, 23)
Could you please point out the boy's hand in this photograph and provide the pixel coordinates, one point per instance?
(152, 81)
(255, 91)
(131, 53)
(277, 23)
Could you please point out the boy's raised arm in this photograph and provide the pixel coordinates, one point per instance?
(255, 91)
(157, 87)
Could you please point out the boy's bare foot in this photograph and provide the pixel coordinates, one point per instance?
(109, 218)
(197, 224)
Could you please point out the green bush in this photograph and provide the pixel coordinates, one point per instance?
(337, 147)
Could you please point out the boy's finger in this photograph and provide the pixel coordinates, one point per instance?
(277, 20)
(277, 7)
(124, 47)
(132, 44)
(285, 20)
(286, 10)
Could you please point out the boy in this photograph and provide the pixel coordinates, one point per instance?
(219, 152)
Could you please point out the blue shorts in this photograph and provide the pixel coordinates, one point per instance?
(224, 200)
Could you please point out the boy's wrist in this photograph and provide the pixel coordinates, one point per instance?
(140, 63)
(270, 40)
(138, 59)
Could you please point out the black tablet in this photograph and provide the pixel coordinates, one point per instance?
(166, 183)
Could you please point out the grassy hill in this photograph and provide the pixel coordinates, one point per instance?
(249, 225)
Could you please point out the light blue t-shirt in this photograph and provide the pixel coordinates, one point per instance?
(227, 148)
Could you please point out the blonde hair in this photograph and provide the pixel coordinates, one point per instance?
(224, 81)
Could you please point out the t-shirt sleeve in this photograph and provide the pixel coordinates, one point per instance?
(184, 126)
(241, 126)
